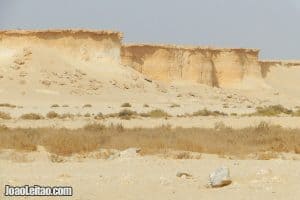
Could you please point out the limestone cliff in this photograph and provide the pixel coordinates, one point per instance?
(82, 44)
(266, 65)
(211, 66)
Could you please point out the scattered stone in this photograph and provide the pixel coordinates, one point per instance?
(130, 153)
(220, 177)
(183, 175)
(146, 79)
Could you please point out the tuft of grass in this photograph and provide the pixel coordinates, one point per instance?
(87, 115)
(52, 115)
(174, 105)
(206, 112)
(296, 113)
(31, 116)
(99, 116)
(263, 140)
(273, 110)
(65, 105)
(95, 127)
(126, 105)
(54, 106)
(7, 105)
(4, 115)
(157, 113)
(146, 106)
(87, 106)
(126, 114)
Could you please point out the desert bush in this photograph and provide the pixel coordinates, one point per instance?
(206, 112)
(4, 115)
(31, 116)
(87, 115)
(99, 116)
(174, 105)
(157, 113)
(54, 106)
(52, 115)
(296, 113)
(95, 127)
(273, 110)
(65, 105)
(87, 106)
(127, 114)
(7, 105)
(126, 105)
(146, 106)
(66, 115)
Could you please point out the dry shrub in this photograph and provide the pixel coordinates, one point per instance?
(206, 112)
(127, 114)
(4, 115)
(157, 113)
(31, 116)
(7, 105)
(54, 106)
(174, 105)
(126, 105)
(146, 105)
(224, 141)
(99, 116)
(66, 115)
(273, 110)
(87, 106)
(52, 115)
(95, 127)
(87, 115)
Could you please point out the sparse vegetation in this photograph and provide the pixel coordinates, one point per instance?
(7, 105)
(206, 112)
(65, 105)
(87, 115)
(157, 113)
(87, 106)
(31, 116)
(146, 106)
(259, 140)
(99, 116)
(127, 114)
(54, 106)
(273, 110)
(126, 105)
(4, 115)
(174, 105)
(52, 115)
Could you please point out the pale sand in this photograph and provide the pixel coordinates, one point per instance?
(152, 177)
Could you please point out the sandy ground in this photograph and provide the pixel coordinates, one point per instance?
(151, 177)
(185, 122)
(34, 77)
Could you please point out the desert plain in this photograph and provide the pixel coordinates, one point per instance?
(123, 121)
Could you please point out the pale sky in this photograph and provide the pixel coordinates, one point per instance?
(270, 25)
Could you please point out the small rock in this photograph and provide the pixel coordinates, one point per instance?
(146, 79)
(183, 175)
(220, 177)
(130, 153)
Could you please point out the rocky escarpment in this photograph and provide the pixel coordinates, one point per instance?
(267, 65)
(210, 66)
(84, 45)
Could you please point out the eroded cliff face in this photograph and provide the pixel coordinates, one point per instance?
(213, 67)
(267, 65)
(95, 46)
